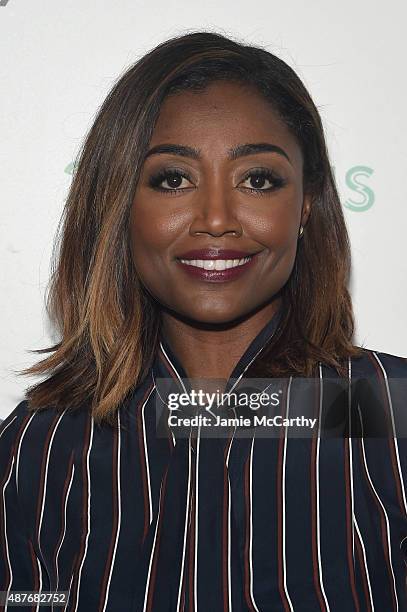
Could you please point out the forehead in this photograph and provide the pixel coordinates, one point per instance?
(224, 114)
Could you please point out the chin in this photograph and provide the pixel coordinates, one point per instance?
(213, 315)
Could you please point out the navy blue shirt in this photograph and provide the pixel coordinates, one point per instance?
(130, 520)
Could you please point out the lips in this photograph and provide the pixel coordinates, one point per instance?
(212, 253)
(216, 265)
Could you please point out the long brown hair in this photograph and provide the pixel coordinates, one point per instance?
(108, 323)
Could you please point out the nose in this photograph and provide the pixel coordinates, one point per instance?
(215, 213)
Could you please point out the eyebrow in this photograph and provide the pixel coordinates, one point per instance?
(233, 153)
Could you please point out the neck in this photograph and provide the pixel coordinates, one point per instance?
(212, 351)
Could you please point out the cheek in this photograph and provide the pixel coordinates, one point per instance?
(154, 229)
(148, 232)
(275, 223)
(156, 224)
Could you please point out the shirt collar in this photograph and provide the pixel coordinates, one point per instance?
(166, 363)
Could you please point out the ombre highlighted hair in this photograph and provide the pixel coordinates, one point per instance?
(108, 324)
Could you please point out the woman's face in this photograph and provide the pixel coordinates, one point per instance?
(223, 173)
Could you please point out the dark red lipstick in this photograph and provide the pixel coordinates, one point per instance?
(232, 263)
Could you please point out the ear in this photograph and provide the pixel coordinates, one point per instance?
(306, 208)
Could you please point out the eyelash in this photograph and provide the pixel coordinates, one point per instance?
(156, 180)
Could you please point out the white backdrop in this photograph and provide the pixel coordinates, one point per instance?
(58, 62)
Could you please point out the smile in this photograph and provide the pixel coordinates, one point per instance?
(217, 270)
(216, 264)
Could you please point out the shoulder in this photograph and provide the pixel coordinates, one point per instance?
(11, 424)
(9, 434)
(40, 449)
(374, 363)
(381, 390)
(28, 433)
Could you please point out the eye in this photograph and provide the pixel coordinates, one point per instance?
(174, 180)
(170, 180)
(262, 179)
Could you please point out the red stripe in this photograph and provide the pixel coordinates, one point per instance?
(383, 528)
(349, 521)
(85, 486)
(317, 584)
(363, 572)
(390, 437)
(151, 586)
(172, 371)
(63, 500)
(169, 434)
(279, 499)
(2, 522)
(182, 602)
(246, 538)
(115, 521)
(42, 475)
(225, 533)
(143, 464)
(33, 556)
(42, 484)
(36, 577)
(173, 374)
(191, 535)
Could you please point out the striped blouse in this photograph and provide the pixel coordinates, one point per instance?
(127, 520)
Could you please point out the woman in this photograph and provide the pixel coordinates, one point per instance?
(203, 239)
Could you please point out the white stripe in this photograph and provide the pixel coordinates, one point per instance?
(383, 508)
(185, 528)
(5, 526)
(16, 482)
(37, 609)
(152, 551)
(145, 449)
(350, 454)
(4, 506)
(164, 402)
(196, 518)
(64, 529)
(365, 564)
(394, 431)
(19, 446)
(156, 531)
(44, 493)
(240, 375)
(88, 517)
(158, 393)
(229, 523)
(283, 498)
(119, 505)
(69, 592)
(175, 369)
(317, 490)
(251, 525)
(8, 425)
(225, 395)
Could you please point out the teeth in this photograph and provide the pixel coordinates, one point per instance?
(216, 264)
